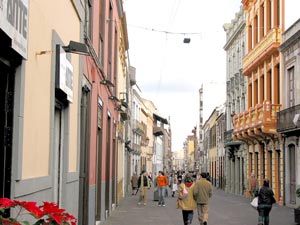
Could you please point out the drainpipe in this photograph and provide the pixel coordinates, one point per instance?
(283, 149)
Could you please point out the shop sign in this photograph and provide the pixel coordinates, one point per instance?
(14, 22)
(66, 75)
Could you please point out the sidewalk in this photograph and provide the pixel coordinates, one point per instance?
(225, 209)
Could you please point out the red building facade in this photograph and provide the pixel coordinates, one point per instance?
(99, 117)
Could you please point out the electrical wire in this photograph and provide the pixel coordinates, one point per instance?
(165, 31)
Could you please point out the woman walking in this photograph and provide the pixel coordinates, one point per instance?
(173, 184)
(265, 200)
(185, 200)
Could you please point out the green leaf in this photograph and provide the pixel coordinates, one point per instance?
(25, 223)
(40, 221)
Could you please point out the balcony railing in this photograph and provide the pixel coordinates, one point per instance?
(228, 139)
(138, 127)
(132, 72)
(228, 136)
(288, 119)
(263, 116)
(137, 149)
(271, 41)
(158, 131)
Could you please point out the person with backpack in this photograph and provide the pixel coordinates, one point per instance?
(185, 200)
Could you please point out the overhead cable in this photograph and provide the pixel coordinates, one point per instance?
(165, 31)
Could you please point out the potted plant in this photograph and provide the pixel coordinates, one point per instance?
(297, 210)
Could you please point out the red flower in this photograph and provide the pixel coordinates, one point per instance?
(6, 203)
(52, 208)
(54, 212)
(47, 214)
(32, 208)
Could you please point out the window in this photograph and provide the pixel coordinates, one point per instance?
(101, 29)
(255, 94)
(89, 22)
(261, 21)
(110, 44)
(262, 89)
(291, 90)
(256, 26)
(250, 95)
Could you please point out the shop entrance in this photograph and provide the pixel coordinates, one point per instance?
(6, 125)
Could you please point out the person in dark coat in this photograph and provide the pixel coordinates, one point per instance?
(265, 200)
(143, 186)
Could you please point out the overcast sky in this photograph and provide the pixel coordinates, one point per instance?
(170, 72)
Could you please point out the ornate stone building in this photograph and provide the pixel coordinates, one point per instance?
(235, 48)
(256, 125)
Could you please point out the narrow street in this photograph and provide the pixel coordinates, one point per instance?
(225, 209)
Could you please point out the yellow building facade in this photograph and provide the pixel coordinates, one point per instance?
(191, 152)
(43, 162)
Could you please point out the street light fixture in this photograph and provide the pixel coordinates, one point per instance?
(113, 98)
(107, 83)
(186, 40)
(76, 48)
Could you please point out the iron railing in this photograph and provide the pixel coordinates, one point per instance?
(288, 119)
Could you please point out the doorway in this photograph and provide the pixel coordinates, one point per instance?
(85, 111)
(7, 82)
(108, 167)
(99, 164)
(58, 151)
(292, 163)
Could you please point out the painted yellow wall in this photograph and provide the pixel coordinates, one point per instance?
(191, 146)
(45, 16)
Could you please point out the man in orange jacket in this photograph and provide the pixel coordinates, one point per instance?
(162, 183)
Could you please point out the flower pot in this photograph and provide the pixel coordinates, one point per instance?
(297, 215)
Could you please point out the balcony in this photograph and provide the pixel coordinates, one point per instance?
(124, 112)
(137, 149)
(262, 50)
(158, 131)
(138, 128)
(132, 72)
(121, 129)
(256, 122)
(288, 120)
(145, 140)
(228, 140)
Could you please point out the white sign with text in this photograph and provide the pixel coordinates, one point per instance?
(14, 22)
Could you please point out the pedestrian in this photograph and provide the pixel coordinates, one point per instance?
(202, 192)
(162, 184)
(185, 200)
(252, 185)
(265, 200)
(173, 184)
(134, 183)
(208, 177)
(150, 178)
(179, 178)
(143, 186)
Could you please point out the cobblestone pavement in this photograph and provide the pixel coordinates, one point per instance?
(225, 209)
